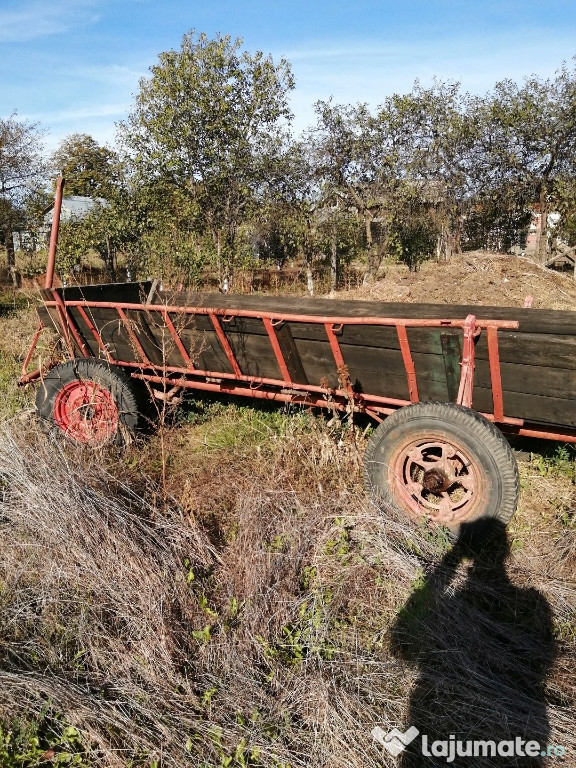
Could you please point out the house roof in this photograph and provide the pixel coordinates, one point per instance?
(75, 207)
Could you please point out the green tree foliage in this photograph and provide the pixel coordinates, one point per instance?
(441, 134)
(89, 169)
(357, 165)
(21, 166)
(211, 181)
(565, 197)
(206, 121)
(530, 137)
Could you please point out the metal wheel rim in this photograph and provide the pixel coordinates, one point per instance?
(437, 478)
(86, 412)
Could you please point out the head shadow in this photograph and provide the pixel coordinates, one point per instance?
(482, 647)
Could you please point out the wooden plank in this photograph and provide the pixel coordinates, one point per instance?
(527, 379)
(291, 355)
(452, 354)
(158, 350)
(121, 292)
(537, 408)
(538, 366)
(531, 320)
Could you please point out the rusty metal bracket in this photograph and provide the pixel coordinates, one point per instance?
(468, 364)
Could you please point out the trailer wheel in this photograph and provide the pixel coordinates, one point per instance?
(90, 402)
(444, 463)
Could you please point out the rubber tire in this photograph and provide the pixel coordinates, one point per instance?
(481, 439)
(125, 392)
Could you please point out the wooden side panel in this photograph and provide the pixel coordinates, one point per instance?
(538, 362)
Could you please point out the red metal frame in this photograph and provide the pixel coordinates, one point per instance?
(283, 389)
(466, 388)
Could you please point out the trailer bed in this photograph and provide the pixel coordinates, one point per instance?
(537, 360)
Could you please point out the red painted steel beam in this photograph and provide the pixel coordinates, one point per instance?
(54, 234)
(294, 318)
(271, 331)
(341, 367)
(33, 344)
(408, 362)
(133, 338)
(310, 399)
(360, 398)
(68, 324)
(495, 374)
(560, 435)
(228, 351)
(178, 341)
(94, 331)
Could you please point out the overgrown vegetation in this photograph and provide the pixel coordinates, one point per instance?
(267, 615)
(206, 180)
(224, 594)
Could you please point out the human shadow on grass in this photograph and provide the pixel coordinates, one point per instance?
(483, 647)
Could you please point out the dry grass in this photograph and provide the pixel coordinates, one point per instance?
(271, 617)
(243, 604)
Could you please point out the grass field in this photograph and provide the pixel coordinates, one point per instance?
(222, 593)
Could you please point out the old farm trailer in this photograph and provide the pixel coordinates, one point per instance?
(443, 382)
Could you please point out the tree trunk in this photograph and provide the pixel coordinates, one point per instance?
(334, 263)
(543, 236)
(309, 274)
(376, 254)
(372, 263)
(11, 257)
(217, 237)
(110, 260)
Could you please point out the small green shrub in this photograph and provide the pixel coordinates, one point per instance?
(25, 743)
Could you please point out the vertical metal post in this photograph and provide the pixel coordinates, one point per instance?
(466, 389)
(495, 374)
(408, 362)
(54, 233)
(271, 331)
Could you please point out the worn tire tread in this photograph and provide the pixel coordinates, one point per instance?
(447, 414)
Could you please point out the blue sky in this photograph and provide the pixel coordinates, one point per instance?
(74, 65)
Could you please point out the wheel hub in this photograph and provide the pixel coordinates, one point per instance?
(86, 412)
(436, 479)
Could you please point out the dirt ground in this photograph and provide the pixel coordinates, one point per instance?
(476, 277)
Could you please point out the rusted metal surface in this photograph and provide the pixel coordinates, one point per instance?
(33, 345)
(408, 362)
(495, 375)
(213, 315)
(436, 477)
(68, 326)
(287, 317)
(292, 385)
(177, 340)
(466, 388)
(54, 234)
(93, 330)
(341, 397)
(270, 326)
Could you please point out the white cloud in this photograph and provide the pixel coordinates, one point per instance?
(82, 113)
(113, 75)
(31, 20)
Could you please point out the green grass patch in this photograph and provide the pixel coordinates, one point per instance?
(44, 740)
